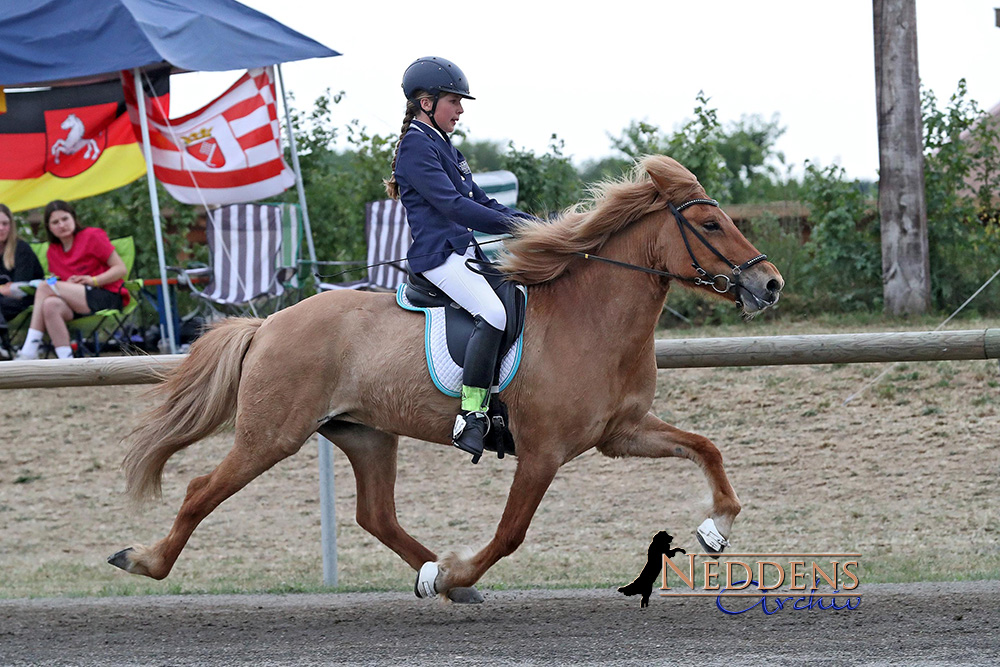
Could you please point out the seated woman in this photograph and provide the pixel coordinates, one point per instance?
(18, 264)
(89, 276)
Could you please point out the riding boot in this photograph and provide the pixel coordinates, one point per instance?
(472, 424)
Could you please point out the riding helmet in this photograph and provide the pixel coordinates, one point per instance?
(435, 76)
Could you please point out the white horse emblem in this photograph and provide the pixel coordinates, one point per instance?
(74, 140)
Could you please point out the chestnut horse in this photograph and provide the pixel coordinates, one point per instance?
(351, 365)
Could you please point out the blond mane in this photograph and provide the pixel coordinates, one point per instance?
(541, 251)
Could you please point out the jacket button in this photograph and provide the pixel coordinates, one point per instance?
(470, 193)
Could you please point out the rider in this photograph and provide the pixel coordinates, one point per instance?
(443, 205)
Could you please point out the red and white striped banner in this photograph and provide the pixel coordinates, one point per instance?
(227, 152)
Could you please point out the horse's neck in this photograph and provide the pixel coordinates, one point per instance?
(620, 306)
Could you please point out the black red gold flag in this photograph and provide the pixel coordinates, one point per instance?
(69, 142)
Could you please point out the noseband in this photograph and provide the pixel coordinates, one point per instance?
(720, 282)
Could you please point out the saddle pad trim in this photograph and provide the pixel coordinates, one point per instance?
(428, 350)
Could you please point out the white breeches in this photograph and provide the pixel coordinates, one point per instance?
(469, 289)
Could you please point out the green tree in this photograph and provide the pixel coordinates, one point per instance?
(695, 145)
(747, 150)
(845, 262)
(546, 183)
(961, 177)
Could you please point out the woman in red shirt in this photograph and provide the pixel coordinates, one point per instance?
(89, 277)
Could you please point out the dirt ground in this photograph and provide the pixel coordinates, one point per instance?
(909, 624)
(906, 475)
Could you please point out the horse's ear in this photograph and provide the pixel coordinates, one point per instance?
(668, 174)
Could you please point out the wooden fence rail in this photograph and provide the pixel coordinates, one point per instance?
(670, 353)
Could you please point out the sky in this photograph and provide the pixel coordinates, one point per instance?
(586, 71)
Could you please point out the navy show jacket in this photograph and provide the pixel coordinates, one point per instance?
(442, 202)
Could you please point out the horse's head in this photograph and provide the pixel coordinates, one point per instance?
(70, 121)
(698, 242)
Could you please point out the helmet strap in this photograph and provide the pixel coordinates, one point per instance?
(434, 120)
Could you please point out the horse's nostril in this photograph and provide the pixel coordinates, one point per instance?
(774, 286)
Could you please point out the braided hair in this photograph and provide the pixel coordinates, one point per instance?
(412, 110)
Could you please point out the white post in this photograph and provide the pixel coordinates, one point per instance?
(155, 204)
(327, 511)
(298, 172)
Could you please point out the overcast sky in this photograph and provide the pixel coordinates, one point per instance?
(584, 70)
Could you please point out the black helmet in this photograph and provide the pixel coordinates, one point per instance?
(435, 76)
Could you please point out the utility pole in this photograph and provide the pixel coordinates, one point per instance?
(901, 204)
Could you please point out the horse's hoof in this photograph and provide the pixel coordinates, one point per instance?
(121, 558)
(425, 587)
(466, 596)
(710, 538)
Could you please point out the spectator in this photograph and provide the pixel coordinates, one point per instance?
(88, 276)
(18, 264)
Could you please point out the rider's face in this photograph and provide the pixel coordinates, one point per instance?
(449, 108)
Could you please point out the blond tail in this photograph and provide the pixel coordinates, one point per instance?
(198, 398)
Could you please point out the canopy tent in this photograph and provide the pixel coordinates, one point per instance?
(59, 42)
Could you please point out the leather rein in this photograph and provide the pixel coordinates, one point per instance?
(720, 282)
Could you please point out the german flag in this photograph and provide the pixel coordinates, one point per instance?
(69, 142)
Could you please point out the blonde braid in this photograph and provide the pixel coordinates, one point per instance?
(391, 187)
(412, 108)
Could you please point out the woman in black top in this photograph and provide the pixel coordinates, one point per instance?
(18, 263)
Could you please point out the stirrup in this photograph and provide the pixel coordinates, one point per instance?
(424, 586)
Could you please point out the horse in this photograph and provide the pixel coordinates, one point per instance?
(74, 141)
(351, 366)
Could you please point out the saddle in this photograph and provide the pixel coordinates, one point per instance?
(422, 293)
(418, 293)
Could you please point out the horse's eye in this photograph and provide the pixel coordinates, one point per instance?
(711, 226)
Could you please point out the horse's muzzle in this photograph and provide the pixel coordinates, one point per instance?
(759, 288)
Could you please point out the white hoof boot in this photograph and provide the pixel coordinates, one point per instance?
(710, 537)
(424, 587)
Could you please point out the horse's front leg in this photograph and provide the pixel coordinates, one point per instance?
(532, 478)
(656, 439)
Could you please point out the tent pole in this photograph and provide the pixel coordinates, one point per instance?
(154, 202)
(298, 172)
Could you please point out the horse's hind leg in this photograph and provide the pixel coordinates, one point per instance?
(257, 448)
(373, 456)
(656, 439)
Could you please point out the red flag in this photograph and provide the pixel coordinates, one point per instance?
(68, 143)
(225, 153)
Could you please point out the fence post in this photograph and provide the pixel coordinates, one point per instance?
(328, 512)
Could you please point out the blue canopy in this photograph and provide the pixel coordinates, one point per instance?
(48, 41)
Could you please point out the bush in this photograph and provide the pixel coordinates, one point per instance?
(844, 266)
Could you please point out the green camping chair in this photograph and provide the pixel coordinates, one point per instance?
(91, 332)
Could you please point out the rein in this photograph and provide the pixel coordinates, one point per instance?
(720, 282)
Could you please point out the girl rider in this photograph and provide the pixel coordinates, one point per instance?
(443, 205)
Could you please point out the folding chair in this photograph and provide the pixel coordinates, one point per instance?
(388, 238)
(245, 273)
(92, 332)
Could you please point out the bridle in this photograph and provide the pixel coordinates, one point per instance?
(720, 282)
